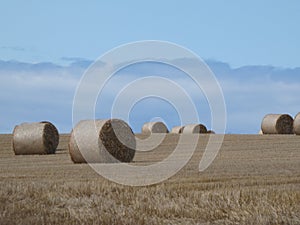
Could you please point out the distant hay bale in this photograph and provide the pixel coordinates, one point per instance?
(211, 132)
(194, 129)
(154, 127)
(277, 124)
(260, 132)
(35, 138)
(102, 141)
(177, 129)
(296, 125)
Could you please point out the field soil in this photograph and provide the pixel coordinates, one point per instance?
(255, 179)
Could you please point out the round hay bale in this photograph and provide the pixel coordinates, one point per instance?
(277, 124)
(194, 129)
(260, 132)
(35, 138)
(154, 127)
(177, 129)
(102, 141)
(296, 125)
(211, 132)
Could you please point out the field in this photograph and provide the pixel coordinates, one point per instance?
(255, 179)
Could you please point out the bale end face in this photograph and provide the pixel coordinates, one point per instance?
(118, 139)
(50, 137)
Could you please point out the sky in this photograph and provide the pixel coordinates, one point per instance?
(251, 46)
(238, 32)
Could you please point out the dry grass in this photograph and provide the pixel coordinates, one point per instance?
(254, 180)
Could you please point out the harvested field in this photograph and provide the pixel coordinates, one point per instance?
(255, 179)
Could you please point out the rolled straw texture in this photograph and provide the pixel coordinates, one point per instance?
(297, 124)
(177, 130)
(35, 138)
(277, 124)
(154, 127)
(194, 129)
(102, 141)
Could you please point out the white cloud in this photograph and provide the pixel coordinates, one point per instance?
(34, 92)
(36, 95)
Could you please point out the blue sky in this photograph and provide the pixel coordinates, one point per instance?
(252, 46)
(238, 32)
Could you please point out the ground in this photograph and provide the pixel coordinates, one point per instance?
(255, 179)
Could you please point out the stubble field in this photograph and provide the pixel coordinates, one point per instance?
(255, 179)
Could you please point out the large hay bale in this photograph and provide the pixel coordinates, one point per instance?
(211, 132)
(277, 124)
(35, 138)
(102, 141)
(296, 124)
(177, 129)
(194, 129)
(154, 127)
